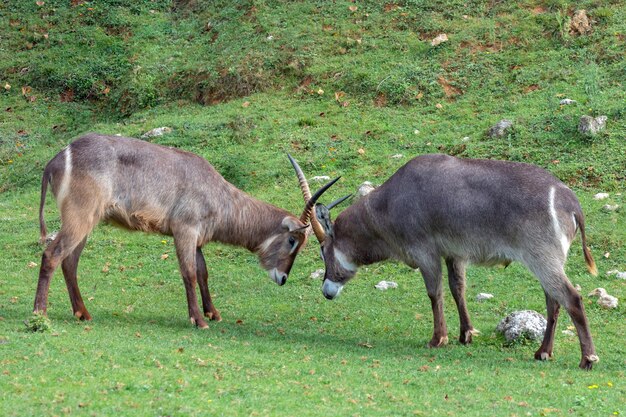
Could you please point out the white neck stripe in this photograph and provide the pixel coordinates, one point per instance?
(343, 261)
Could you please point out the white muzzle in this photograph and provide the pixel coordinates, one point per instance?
(331, 289)
(278, 277)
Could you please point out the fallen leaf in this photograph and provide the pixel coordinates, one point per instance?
(165, 256)
(245, 104)
(361, 151)
(353, 8)
(439, 106)
(32, 264)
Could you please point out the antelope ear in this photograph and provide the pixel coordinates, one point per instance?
(323, 216)
(293, 225)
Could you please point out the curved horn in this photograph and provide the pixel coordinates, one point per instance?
(306, 193)
(309, 204)
(338, 201)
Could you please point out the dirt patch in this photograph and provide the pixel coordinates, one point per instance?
(449, 90)
(380, 100)
(478, 47)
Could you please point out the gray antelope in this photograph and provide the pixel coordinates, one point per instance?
(143, 186)
(466, 211)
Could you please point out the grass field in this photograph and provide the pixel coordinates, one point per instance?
(343, 87)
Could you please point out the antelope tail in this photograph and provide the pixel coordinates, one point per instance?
(591, 264)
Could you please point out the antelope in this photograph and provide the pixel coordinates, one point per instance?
(466, 211)
(152, 188)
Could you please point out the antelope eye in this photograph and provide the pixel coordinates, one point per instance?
(292, 240)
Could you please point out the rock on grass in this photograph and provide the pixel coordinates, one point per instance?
(522, 324)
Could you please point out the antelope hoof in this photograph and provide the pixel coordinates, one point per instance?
(82, 315)
(587, 362)
(213, 315)
(200, 323)
(542, 356)
(435, 343)
(466, 337)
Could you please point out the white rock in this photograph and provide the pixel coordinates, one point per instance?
(618, 274)
(159, 131)
(578, 287)
(397, 156)
(526, 323)
(500, 129)
(605, 300)
(385, 285)
(567, 101)
(317, 274)
(364, 189)
(591, 125)
(441, 38)
(568, 333)
(483, 296)
(465, 139)
(320, 178)
(601, 196)
(610, 207)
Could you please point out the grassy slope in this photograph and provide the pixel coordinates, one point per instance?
(286, 351)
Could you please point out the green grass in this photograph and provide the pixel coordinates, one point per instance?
(286, 350)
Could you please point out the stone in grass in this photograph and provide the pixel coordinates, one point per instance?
(483, 296)
(601, 196)
(567, 102)
(38, 323)
(385, 285)
(439, 39)
(317, 274)
(522, 324)
(364, 189)
(590, 126)
(610, 207)
(604, 299)
(500, 129)
(159, 131)
(618, 274)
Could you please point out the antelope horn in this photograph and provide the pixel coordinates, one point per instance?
(338, 201)
(310, 200)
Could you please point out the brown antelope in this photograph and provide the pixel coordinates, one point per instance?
(143, 186)
(464, 211)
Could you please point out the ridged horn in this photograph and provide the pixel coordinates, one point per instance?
(310, 200)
